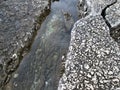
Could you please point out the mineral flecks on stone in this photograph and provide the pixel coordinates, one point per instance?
(113, 14)
(113, 17)
(96, 6)
(93, 60)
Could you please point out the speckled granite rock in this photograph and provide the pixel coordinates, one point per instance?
(113, 17)
(96, 6)
(17, 29)
(93, 59)
(113, 14)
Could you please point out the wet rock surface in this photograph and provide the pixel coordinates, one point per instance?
(17, 29)
(42, 68)
(93, 58)
(94, 55)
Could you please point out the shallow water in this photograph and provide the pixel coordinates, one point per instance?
(41, 68)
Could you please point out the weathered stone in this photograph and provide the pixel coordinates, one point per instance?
(93, 58)
(113, 18)
(17, 29)
(91, 50)
(113, 14)
(97, 6)
(92, 7)
(42, 67)
(83, 8)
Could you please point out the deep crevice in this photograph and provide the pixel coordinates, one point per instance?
(114, 31)
(103, 14)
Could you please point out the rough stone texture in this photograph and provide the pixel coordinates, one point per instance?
(113, 14)
(17, 18)
(40, 69)
(113, 17)
(93, 60)
(83, 8)
(96, 6)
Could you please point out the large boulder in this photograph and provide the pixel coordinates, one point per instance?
(93, 60)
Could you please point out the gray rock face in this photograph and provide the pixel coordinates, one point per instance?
(96, 6)
(113, 18)
(93, 59)
(17, 28)
(113, 14)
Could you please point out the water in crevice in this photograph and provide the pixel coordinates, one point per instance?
(41, 68)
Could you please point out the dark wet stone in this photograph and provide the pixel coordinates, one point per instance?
(113, 17)
(42, 68)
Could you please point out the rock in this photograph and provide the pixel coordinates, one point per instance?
(115, 34)
(40, 69)
(113, 18)
(91, 50)
(97, 6)
(92, 7)
(94, 56)
(113, 14)
(17, 30)
(83, 8)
